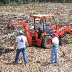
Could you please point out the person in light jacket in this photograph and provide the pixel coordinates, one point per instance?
(54, 49)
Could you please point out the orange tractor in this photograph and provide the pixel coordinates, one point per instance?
(35, 36)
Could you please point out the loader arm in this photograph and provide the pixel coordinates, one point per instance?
(26, 29)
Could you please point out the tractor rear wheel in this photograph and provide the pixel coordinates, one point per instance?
(47, 42)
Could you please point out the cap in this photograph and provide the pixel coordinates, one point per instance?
(55, 34)
(20, 31)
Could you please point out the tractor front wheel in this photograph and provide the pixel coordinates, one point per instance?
(47, 42)
(62, 41)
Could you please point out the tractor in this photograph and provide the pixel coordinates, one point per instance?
(42, 38)
(35, 36)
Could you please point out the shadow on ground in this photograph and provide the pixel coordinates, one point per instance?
(5, 50)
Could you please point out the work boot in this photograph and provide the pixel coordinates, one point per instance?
(25, 63)
(15, 62)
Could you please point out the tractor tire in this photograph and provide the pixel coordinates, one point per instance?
(47, 42)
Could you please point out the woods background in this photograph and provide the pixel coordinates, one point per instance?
(32, 1)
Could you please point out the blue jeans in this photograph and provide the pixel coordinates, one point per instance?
(54, 54)
(23, 50)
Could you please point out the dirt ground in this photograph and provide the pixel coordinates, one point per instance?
(38, 58)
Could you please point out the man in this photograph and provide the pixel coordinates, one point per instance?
(21, 47)
(54, 49)
(39, 24)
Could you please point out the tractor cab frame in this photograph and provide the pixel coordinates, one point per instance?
(42, 18)
(41, 38)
